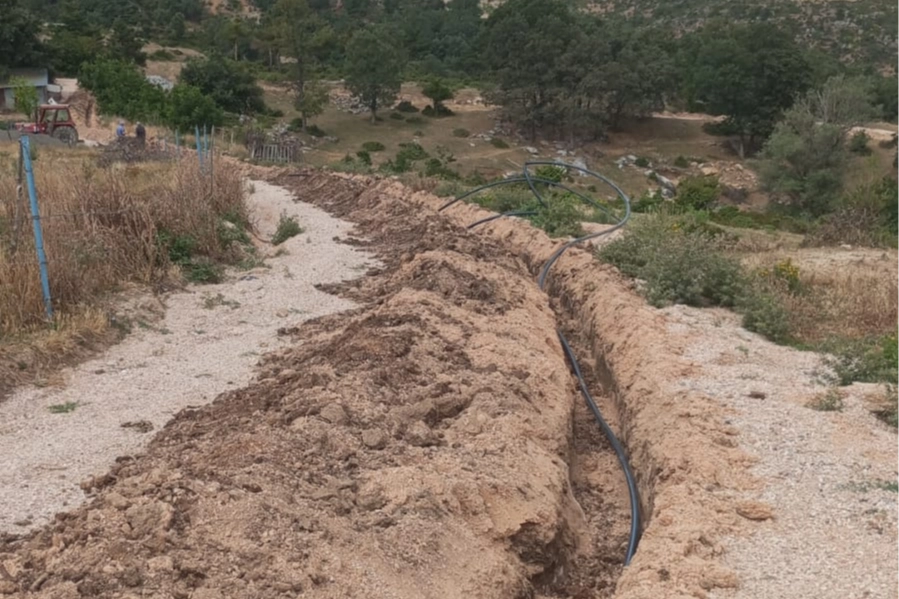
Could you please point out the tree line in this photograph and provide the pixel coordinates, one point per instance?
(555, 70)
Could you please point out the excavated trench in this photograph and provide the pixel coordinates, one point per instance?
(431, 443)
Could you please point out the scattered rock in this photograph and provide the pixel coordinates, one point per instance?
(118, 501)
(708, 170)
(420, 435)
(146, 518)
(374, 438)
(758, 394)
(334, 413)
(8, 587)
(755, 510)
(160, 563)
(141, 426)
(531, 150)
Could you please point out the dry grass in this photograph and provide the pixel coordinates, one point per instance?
(852, 298)
(102, 228)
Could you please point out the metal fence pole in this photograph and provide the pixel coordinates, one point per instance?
(36, 220)
(199, 149)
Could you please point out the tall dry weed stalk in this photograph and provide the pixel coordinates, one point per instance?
(102, 228)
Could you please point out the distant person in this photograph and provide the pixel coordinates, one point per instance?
(141, 134)
(120, 130)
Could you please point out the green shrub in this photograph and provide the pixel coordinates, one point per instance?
(373, 146)
(411, 151)
(405, 106)
(315, 131)
(440, 111)
(681, 162)
(858, 143)
(203, 271)
(697, 193)
(867, 360)
(499, 144)
(460, 132)
(561, 217)
(434, 167)
(829, 401)
(679, 262)
(364, 157)
(287, 227)
(642, 162)
(765, 314)
(648, 202)
(550, 172)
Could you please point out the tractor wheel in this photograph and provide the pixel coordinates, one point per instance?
(67, 135)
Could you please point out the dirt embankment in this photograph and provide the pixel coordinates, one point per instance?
(413, 448)
(683, 450)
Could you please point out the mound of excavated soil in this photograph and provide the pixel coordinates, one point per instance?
(413, 448)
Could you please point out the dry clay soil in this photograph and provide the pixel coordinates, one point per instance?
(421, 447)
(415, 447)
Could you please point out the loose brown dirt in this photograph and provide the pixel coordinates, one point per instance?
(416, 447)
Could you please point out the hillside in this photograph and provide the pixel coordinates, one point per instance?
(856, 31)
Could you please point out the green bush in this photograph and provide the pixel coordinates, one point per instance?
(411, 152)
(364, 157)
(679, 262)
(373, 146)
(460, 132)
(440, 111)
(681, 162)
(551, 173)
(561, 217)
(434, 167)
(867, 360)
(858, 143)
(642, 162)
(648, 202)
(697, 193)
(765, 314)
(287, 227)
(499, 144)
(188, 107)
(405, 106)
(314, 131)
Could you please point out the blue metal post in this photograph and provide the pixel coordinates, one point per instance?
(199, 149)
(36, 220)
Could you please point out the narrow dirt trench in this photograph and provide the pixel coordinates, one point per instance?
(202, 341)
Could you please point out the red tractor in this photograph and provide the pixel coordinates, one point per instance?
(54, 120)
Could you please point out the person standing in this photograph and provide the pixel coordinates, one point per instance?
(120, 130)
(141, 134)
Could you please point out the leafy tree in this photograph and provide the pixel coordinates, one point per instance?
(26, 97)
(313, 101)
(124, 43)
(748, 73)
(438, 92)
(19, 45)
(122, 90)
(228, 83)
(804, 160)
(523, 44)
(373, 69)
(188, 107)
(300, 33)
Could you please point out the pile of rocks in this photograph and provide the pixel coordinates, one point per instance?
(346, 102)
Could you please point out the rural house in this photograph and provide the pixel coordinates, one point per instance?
(39, 78)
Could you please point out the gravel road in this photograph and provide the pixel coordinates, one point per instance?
(208, 342)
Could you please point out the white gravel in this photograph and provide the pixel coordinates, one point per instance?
(196, 352)
(825, 474)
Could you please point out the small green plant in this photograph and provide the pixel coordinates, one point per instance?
(461, 132)
(412, 151)
(829, 401)
(406, 106)
(648, 202)
(203, 272)
(890, 413)
(63, 408)
(551, 173)
(373, 146)
(681, 162)
(764, 313)
(642, 162)
(364, 157)
(858, 143)
(697, 193)
(287, 227)
(499, 144)
(315, 131)
(561, 217)
(866, 360)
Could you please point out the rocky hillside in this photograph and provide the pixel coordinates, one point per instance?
(859, 31)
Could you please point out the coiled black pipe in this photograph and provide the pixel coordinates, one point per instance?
(532, 181)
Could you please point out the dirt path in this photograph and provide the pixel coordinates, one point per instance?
(208, 342)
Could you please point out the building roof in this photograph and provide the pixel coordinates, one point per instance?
(36, 77)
